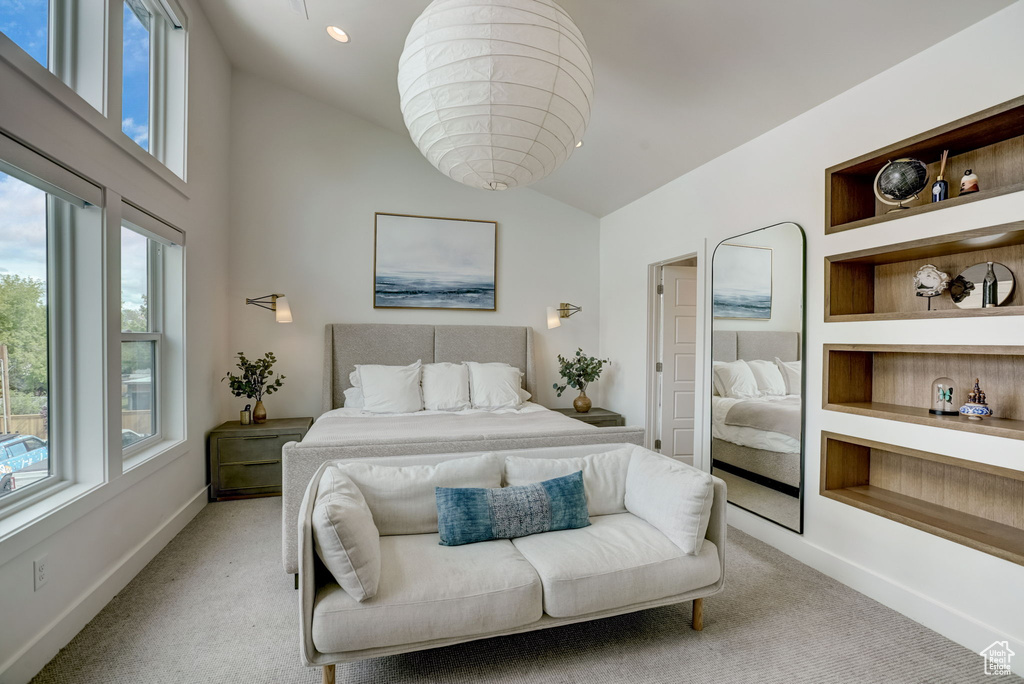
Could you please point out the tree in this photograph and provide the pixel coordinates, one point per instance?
(23, 329)
(135, 320)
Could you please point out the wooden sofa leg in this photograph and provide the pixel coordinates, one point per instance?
(698, 616)
(328, 674)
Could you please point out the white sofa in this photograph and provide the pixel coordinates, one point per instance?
(431, 595)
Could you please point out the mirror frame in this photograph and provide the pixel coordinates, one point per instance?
(709, 369)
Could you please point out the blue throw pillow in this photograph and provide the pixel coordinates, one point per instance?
(471, 514)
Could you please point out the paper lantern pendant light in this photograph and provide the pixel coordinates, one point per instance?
(495, 93)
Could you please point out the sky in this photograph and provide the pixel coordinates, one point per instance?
(22, 229)
(438, 247)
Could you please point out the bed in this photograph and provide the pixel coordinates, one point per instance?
(758, 439)
(348, 433)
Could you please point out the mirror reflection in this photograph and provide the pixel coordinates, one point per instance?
(757, 371)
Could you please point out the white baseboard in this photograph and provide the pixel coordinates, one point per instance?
(925, 610)
(27, 662)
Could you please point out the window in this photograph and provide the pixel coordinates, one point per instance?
(141, 260)
(136, 65)
(27, 23)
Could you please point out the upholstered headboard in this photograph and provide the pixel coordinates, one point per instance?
(750, 345)
(349, 344)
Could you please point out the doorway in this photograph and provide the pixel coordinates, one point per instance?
(672, 356)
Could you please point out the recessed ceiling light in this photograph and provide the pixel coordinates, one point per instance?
(579, 144)
(337, 34)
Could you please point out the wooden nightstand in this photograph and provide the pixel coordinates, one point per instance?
(245, 460)
(596, 416)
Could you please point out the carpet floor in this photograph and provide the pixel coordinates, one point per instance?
(215, 606)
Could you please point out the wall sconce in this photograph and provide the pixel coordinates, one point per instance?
(564, 310)
(277, 303)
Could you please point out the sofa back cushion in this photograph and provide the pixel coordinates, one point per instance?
(471, 514)
(401, 498)
(673, 497)
(604, 476)
(345, 536)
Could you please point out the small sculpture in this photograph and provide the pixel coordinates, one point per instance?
(976, 408)
(930, 282)
(943, 398)
(969, 183)
(960, 288)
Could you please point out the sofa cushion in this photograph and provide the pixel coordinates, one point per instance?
(346, 538)
(428, 591)
(470, 514)
(674, 497)
(618, 561)
(401, 498)
(604, 476)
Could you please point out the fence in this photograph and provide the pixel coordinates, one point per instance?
(139, 421)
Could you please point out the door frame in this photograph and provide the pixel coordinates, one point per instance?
(655, 317)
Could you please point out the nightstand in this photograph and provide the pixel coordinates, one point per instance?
(245, 460)
(598, 417)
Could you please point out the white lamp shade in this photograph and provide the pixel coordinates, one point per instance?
(554, 319)
(283, 310)
(495, 93)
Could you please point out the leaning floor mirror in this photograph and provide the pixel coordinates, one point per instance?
(757, 360)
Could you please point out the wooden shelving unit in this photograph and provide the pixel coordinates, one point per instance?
(990, 142)
(893, 382)
(974, 504)
(875, 284)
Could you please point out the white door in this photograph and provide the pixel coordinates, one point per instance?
(679, 360)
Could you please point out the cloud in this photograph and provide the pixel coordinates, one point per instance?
(137, 132)
(22, 228)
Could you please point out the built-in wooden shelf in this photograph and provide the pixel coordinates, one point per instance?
(894, 382)
(876, 284)
(991, 143)
(974, 504)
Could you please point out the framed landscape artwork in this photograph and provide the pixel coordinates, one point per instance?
(421, 262)
(743, 282)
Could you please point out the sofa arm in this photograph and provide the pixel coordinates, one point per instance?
(307, 568)
(717, 522)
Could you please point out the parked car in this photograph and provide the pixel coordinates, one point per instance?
(129, 437)
(19, 453)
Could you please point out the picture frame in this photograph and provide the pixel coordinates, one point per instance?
(747, 295)
(434, 263)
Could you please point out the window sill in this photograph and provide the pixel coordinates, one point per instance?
(68, 98)
(25, 528)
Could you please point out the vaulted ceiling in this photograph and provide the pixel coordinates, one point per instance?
(679, 82)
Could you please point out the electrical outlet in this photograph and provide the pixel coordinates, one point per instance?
(40, 573)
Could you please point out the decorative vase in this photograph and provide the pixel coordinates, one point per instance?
(259, 413)
(582, 403)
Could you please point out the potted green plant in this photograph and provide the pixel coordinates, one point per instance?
(578, 372)
(256, 379)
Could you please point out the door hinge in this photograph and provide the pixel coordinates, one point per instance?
(661, 288)
(657, 444)
(659, 366)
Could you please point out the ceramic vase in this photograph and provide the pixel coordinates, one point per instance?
(582, 403)
(259, 413)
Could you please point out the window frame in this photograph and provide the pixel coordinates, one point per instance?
(154, 306)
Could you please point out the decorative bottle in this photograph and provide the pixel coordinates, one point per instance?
(990, 289)
(940, 190)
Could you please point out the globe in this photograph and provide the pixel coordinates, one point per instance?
(902, 179)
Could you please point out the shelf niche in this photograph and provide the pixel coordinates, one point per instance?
(990, 142)
(876, 284)
(894, 382)
(974, 504)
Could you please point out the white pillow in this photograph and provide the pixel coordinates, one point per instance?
(495, 385)
(402, 498)
(768, 376)
(604, 476)
(672, 496)
(346, 539)
(445, 387)
(353, 378)
(792, 372)
(354, 398)
(391, 389)
(716, 384)
(735, 380)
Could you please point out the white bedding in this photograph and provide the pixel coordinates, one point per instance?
(747, 436)
(351, 426)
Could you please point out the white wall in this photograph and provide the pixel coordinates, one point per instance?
(131, 518)
(306, 180)
(965, 594)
